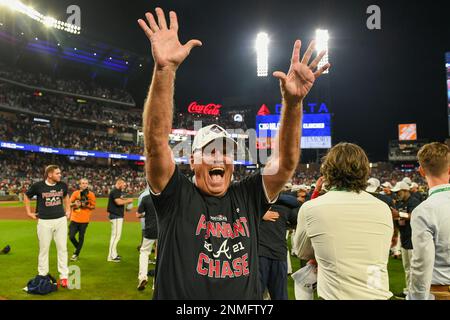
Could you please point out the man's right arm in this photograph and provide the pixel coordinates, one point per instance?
(422, 262)
(168, 53)
(26, 201)
(157, 117)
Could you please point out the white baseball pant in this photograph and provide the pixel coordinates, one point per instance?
(406, 260)
(116, 233)
(47, 230)
(146, 250)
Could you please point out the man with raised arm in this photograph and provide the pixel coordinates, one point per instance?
(209, 229)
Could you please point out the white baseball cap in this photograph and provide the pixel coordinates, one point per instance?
(373, 184)
(288, 185)
(400, 186)
(297, 187)
(414, 185)
(210, 133)
(387, 185)
(407, 180)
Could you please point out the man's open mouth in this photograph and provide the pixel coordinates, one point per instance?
(216, 172)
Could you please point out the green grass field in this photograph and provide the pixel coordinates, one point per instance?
(99, 279)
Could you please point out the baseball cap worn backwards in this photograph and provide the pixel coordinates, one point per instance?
(208, 134)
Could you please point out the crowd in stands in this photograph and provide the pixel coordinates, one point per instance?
(59, 135)
(393, 176)
(66, 85)
(55, 105)
(19, 169)
(49, 104)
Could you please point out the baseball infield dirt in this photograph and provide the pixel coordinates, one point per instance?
(98, 214)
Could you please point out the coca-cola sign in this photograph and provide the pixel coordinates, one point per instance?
(209, 109)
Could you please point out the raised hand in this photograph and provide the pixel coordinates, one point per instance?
(168, 52)
(297, 83)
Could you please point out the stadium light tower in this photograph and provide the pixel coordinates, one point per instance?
(322, 38)
(262, 54)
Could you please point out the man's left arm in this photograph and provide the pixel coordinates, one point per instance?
(422, 262)
(295, 85)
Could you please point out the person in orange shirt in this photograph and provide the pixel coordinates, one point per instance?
(82, 203)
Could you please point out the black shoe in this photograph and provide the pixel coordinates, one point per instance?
(151, 273)
(116, 259)
(142, 285)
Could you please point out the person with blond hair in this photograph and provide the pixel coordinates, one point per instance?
(430, 224)
(82, 202)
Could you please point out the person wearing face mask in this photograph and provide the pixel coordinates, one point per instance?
(208, 231)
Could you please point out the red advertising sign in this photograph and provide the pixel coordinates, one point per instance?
(209, 109)
(263, 111)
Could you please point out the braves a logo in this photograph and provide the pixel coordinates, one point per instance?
(223, 249)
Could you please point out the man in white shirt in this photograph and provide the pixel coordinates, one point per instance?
(430, 223)
(347, 230)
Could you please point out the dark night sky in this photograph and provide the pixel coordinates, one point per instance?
(378, 79)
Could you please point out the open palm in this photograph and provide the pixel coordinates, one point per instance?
(296, 84)
(167, 50)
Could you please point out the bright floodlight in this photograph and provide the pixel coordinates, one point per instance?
(321, 45)
(262, 54)
(50, 22)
